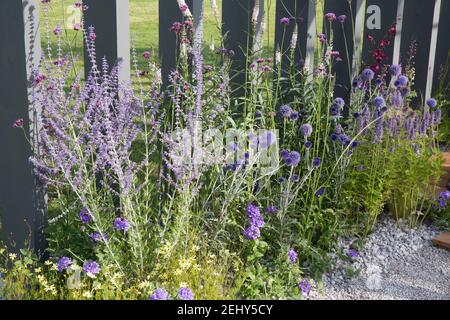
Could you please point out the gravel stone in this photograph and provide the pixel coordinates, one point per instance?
(396, 263)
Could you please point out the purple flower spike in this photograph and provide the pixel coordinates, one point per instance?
(292, 255)
(121, 224)
(304, 287)
(252, 233)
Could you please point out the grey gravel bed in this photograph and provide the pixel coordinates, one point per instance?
(395, 263)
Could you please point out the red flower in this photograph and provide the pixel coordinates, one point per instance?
(18, 123)
(393, 30)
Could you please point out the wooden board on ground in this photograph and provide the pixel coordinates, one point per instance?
(442, 240)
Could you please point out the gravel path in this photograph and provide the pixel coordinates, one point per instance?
(396, 263)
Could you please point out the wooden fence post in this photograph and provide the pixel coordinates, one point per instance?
(380, 17)
(302, 17)
(22, 202)
(417, 25)
(346, 45)
(236, 29)
(111, 21)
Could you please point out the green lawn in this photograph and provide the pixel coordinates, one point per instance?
(144, 24)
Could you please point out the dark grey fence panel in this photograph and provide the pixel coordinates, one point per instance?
(442, 49)
(381, 15)
(22, 203)
(169, 12)
(344, 44)
(417, 26)
(110, 18)
(298, 13)
(236, 28)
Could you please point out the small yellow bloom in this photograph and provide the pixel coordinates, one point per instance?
(87, 294)
(13, 256)
(37, 270)
(48, 263)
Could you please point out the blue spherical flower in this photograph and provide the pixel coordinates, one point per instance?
(185, 294)
(403, 80)
(85, 216)
(63, 264)
(320, 192)
(285, 111)
(344, 139)
(379, 102)
(308, 144)
(295, 178)
(121, 224)
(252, 233)
(339, 102)
(306, 129)
(378, 82)
(395, 70)
(294, 115)
(431, 103)
(292, 255)
(367, 74)
(316, 162)
(284, 153)
(91, 268)
(333, 137)
(293, 159)
(159, 294)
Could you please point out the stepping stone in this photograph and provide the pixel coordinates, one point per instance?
(442, 241)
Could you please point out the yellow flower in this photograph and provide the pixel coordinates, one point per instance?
(12, 256)
(38, 270)
(144, 284)
(48, 263)
(87, 294)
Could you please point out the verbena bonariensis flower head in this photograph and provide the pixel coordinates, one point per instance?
(91, 268)
(306, 129)
(159, 294)
(342, 18)
(292, 255)
(330, 16)
(63, 264)
(304, 287)
(284, 21)
(185, 294)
